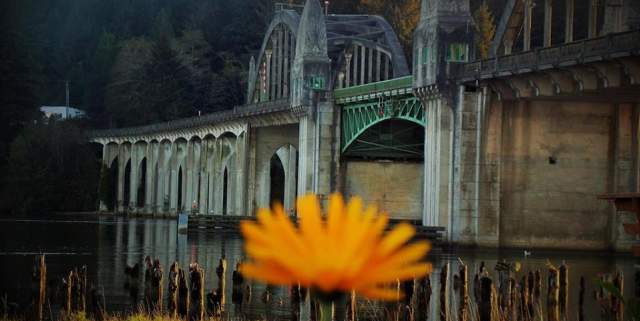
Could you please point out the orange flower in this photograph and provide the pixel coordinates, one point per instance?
(344, 252)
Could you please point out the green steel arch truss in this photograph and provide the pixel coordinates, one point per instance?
(357, 118)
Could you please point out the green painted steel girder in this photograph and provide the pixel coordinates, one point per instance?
(358, 117)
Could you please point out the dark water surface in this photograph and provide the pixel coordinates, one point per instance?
(108, 244)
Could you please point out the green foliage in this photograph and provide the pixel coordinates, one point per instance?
(631, 304)
(51, 168)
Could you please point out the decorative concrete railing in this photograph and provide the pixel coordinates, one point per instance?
(193, 122)
(589, 50)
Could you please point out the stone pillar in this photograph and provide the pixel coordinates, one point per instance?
(240, 189)
(173, 188)
(363, 52)
(592, 30)
(123, 158)
(528, 20)
(569, 20)
(133, 179)
(212, 169)
(548, 22)
(218, 189)
(467, 150)
(290, 183)
(268, 61)
(152, 160)
(188, 176)
(624, 172)
(252, 172)
(614, 20)
(348, 56)
(287, 61)
(318, 157)
(437, 160)
(204, 178)
(102, 207)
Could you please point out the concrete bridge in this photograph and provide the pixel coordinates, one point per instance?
(508, 151)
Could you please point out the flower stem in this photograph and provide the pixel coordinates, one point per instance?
(326, 310)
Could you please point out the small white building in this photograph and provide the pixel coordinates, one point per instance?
(62, 112)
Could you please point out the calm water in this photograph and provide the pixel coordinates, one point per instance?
(108, 244)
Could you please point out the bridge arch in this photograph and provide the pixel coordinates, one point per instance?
(271, 77)
(360, 117)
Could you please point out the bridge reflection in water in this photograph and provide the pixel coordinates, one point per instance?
(108, 244)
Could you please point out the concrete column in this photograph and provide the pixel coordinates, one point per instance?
(196, 174)
(133, 179)
(614, 20)
(287, 60)
(102, 207)
(219, 178)
(306, 159)
(624, 174)
(348, 56)
(378, 58)
(290, 184)
(122, 162)
(252, 172)
(548, 22)
(370, 66)
(274, 68)
(212, 169)
(203, 189)
(240, 190)
(528, 20)
(268, 60)
(387, 62)
(593, 19)
(173, 188)
(569, 20)
(363, 53)
(152, 159)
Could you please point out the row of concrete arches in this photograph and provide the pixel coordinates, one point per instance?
(204, 176)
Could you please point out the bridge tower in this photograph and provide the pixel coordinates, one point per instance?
(443, 41)
(310, 83)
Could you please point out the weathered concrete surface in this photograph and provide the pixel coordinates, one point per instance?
(555, 158)
(392, 186)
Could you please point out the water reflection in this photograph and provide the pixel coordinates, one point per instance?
(112, 246)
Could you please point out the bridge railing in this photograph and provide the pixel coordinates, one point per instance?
(198, 121)
(585, 51)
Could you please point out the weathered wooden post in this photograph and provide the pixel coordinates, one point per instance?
(172, 305)
(196, 276)
(68, 299)
(444, 300)
(524, 298)
(485, 306)
(183, 294)
(40, 280)
(221, 272)
(237, 282)
(463, 308)
(581, 300)
(156, 281)
(564, 289)
(148, 288)
(553, 294)
(617, 306)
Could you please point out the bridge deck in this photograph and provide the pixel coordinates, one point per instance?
(232, 223)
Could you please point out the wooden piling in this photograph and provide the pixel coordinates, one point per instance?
(157, 278)
(485, 306)
(68, 298)
(553, 294)
(172, 304)
(197, 277)
(40, 280)
(444, 302)
(148, 288)
(581, 300)
(237, 282)
(221, 272)
(183, 294)
(564, 289)
(617, 306)
(463, 305)
(524, 298)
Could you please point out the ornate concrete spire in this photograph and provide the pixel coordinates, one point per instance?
(251, 86)
(312, 33)
(311, 64)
